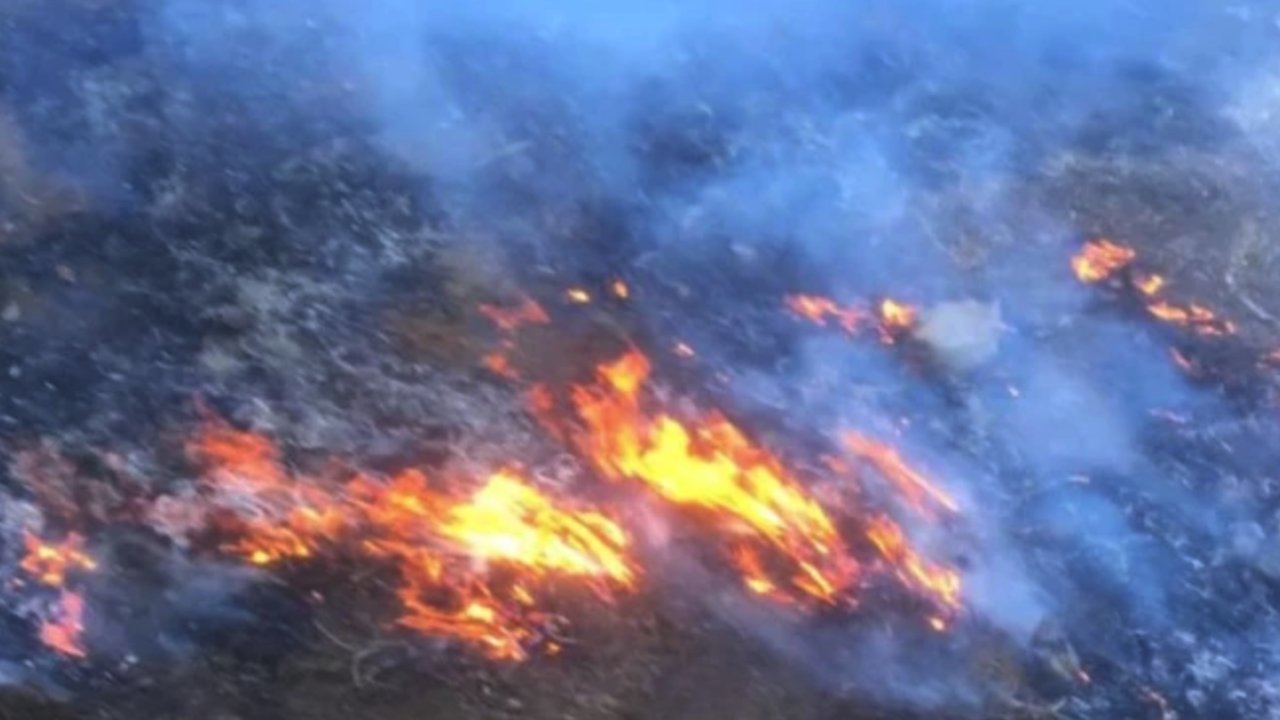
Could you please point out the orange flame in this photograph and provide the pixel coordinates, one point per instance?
(62, 625)
(49, 563)
(441, 541)
(785, 544)
(940, 583)
(528, 312)
(62, 631)
(1196, 318)
(1149, 284)
(895, 318)
(897, 315)
(823, 311)
(1100, 259)
(713, 467)
(913, 485)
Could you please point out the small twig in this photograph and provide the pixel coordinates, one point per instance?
(333, 638)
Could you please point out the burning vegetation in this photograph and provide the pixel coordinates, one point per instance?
(1104, 261)
(525, 362)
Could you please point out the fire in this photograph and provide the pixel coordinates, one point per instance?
(823, 311)
(1196, 318)
(507, 520)
(49, 563)
(1100, 259)
(783, 542)
(914, 486)
(63, 629)
(1149, 284)
(939, 583)
(577, 296)
(893, 317)
(509, 320)
(897, 315)
(712, 467)
(527, 312)
(444, 541)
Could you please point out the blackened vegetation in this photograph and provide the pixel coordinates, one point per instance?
(172, 241)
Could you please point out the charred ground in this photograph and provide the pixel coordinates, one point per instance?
(171, 240)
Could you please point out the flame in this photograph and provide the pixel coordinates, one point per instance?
(527, 312)
(940, 583)
(913, 485)
(1149, 284)
(577, 296)
(713, 467)
(62, 630)
(508, 520)
(443, 541)
(823, 311)
(1196, 318)
(897, 315)
(893, 317)
(499, 363)
(782, 541)
(1100, 259)
(49, 563)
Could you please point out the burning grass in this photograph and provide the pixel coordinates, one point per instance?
(469, 559)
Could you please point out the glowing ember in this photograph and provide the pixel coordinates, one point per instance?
(1100, 259)
(49, 563)
(442, 541)
(527, 312)
(620, 289)
(915, 487)
(499, 363)
(825, 311)
(577, 296)
(62, 630)
(683, 350)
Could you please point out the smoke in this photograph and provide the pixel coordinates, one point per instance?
(720, 154)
